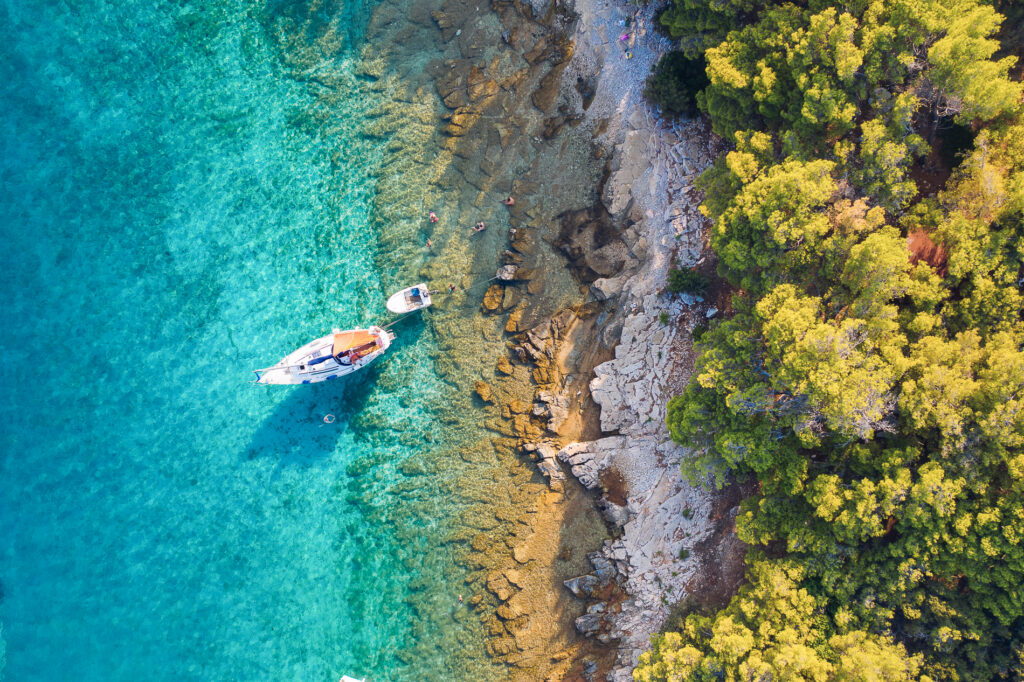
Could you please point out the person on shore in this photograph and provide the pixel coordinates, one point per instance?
(479, 227)
(510, 201)
(432, 216)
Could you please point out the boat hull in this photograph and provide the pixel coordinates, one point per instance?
(300, 366)
(405, 302)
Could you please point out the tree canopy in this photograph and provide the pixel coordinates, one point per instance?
(871, 376)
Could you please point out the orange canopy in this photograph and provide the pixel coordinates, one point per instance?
(350, 340)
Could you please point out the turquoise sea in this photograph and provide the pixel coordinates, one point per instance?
(181, 202)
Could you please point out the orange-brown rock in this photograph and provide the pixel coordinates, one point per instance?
(494, 296)
(484, 391)
(504, 366)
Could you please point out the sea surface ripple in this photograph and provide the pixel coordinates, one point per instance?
(176, 209)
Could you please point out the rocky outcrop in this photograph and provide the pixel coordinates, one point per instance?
(650, 191)
(546, 456)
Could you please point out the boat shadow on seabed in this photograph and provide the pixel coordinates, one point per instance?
(304, 428)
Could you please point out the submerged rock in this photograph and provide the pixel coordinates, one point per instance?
(582, 586)
(484, 391)
(494, 297)
(507, 273)
(504, 366)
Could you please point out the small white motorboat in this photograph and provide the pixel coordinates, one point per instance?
(335, 355)
(408, 300)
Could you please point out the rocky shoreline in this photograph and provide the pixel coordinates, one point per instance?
(555, 114)
(672, 540)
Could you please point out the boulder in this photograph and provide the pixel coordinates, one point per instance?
(484, 391)
(498, 585)
(494, 297)
(512, 324)
(502, 646)
(589, 624)
(517, 406)
(582, 586)
(604, 288)
(554, 474)
(482, 90)
(615, 514)
(604, 569)
(514, 577)
(460, 121)
(547, 456)
(510, 299)
(504, 366)
(507, 273)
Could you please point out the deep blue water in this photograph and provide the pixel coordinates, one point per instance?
(173, 215)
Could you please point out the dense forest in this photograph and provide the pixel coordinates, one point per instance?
(868, 382)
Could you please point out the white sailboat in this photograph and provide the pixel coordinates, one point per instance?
(338, 354)
(410, 299)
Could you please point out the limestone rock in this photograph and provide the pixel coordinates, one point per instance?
(493, 297)
(442, 19)
(547, 455)
(504, 366)
(615, 514)
(604, 288)
(514, 577)
(502, 646)
(512, 324)
(484, 391)
(507, 273)
(483, 90)
(510, 299)
(583, 586)
(517, 406)
(499, 586)
(460, 121)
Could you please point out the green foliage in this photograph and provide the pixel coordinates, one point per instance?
(674, 83)
(700, 24)
(776, 224)
(687, 281)
(773, 629)
(961, 65)
(874, 393)
(663, 317)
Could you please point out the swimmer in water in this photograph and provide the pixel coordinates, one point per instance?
(432, 216)
(479, 227)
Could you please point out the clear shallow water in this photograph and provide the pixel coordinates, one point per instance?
(177, 207)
